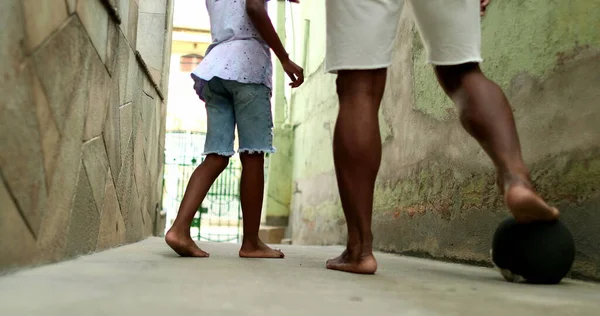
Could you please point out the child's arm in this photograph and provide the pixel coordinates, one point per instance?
(260, 18)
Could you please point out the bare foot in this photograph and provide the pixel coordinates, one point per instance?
(258, 249)
(526, 206)
(184, 245)
(363, 264)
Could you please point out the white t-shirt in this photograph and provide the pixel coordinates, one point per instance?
(237, 51)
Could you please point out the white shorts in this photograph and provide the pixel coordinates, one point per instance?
(361, 33)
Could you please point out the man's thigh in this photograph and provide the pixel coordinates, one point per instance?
(361, 33)
(450, 30)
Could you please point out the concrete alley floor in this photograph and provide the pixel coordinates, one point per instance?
(148, 279)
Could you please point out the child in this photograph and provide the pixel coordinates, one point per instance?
(234, 80)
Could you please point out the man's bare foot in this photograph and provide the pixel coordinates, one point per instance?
(363, 264)
(526, 206)
(258, 249)
(184, 245)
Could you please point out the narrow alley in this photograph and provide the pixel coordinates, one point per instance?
(146, 278)
(414, 128)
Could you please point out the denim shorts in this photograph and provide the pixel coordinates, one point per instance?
(230, 104)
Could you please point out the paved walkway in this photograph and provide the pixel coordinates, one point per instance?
(147, 279)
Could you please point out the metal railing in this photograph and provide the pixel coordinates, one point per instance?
(219, 218)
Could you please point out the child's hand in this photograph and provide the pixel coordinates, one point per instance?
(295, 72)
(484, 4)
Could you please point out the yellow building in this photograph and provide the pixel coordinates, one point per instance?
(191, 37)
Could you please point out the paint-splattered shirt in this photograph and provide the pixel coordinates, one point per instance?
(237, 51)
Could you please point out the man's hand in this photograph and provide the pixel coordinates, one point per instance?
(295, 72)
(484, 4)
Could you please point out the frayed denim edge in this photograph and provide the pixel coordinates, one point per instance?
(226, 153)
(271, 150)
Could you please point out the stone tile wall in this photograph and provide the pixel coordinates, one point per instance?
(82, 114)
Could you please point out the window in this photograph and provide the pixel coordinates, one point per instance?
(188, 63)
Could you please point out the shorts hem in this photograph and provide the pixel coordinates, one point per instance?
(457, 62)
(335, 69)
(219, 153)
(271, 150)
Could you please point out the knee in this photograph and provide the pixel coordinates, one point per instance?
(357, 83)
(250, 158)
(453, 77)
(217, 161)
(342, 84)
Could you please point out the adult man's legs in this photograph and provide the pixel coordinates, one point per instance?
(451, 32)
(486, 114)
(357, 156)
(360, 39)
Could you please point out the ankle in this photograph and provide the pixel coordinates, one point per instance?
(367, 243)
(359, 250)
(367, 249)
(251, 240)
(178, 231)
(360, 245)
(510, 178)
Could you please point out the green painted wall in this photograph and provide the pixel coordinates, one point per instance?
(518, 37)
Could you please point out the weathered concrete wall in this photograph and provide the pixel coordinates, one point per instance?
(297, 32)
(435, 193)
(81, 125)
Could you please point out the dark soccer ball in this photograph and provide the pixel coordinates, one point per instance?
(538, 252)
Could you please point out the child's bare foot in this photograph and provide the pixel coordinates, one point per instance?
(258, 249)
(364, 263)
(525, 205)
(184, 245)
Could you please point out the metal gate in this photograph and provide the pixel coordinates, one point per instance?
(219, 218)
